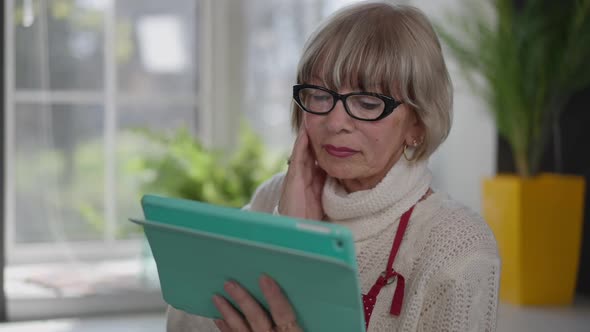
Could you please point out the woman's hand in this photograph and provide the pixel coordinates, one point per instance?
(304, 182)
(255, 318)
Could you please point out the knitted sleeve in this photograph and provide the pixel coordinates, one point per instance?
(264, 199)
(267, 196)
(180, 321)
(461, 292)
(464, 298)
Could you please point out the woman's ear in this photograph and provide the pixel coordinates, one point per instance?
(416, 130)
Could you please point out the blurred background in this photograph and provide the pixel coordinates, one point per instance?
(104, 100)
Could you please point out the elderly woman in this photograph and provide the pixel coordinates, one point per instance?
(372, 102)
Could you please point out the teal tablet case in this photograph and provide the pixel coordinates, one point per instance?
(198, 246)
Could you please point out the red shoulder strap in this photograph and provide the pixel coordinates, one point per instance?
(398, 296)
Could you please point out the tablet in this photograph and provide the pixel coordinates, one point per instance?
(198, 246)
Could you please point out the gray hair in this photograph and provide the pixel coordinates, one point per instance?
(392, 49)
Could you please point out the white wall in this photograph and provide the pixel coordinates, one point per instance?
(469, 153)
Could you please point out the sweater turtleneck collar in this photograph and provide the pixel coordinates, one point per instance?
(401, 188)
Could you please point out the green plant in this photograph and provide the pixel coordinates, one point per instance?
(527, 64)
(183, 167)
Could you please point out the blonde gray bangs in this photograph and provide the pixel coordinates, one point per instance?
(355, 59)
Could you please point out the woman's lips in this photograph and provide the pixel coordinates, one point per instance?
(339, 151)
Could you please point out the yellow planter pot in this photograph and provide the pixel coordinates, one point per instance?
(538, 225)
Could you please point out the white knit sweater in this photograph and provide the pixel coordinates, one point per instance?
(448, 255)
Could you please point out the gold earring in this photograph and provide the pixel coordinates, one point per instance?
(406, 154)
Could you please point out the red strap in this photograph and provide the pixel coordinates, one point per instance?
(389, 275)
(399, 235)
(398, 296)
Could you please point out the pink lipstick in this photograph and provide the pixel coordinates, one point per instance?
(339, 151)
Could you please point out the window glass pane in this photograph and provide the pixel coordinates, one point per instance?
(62, 49)
(59, 173)
(275, 33)
(156, 50)
(61, 245)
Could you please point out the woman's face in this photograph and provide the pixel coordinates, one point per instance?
(360, 153)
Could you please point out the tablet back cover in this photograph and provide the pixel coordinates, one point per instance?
(197, 247)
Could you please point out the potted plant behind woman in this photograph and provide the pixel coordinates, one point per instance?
(527, 63)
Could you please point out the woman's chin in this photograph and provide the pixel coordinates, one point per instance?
(340, 171)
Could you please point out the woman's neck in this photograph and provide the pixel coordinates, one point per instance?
(369, 182)
(404, 185)
(354, 185)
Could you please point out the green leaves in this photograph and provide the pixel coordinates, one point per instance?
(532, 60)
(181, 167)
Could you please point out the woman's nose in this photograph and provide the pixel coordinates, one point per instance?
(338, 120)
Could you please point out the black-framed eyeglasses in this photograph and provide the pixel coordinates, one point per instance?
(365, 106)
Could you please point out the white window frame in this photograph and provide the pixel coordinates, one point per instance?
(219, 74)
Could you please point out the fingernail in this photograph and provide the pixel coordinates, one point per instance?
(267, 281)
(216, 299)
(230, 285)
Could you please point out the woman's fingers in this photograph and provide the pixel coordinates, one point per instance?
(318, 182)
(299, 154)
(302, 182)
(257, 318)
(231, 317)
(303, 158)
(222, 326)
(280, 308)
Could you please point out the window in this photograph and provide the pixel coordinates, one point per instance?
(81, 76)
(276, 32)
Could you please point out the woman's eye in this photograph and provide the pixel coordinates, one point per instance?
(369, 106)
(321, 98)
